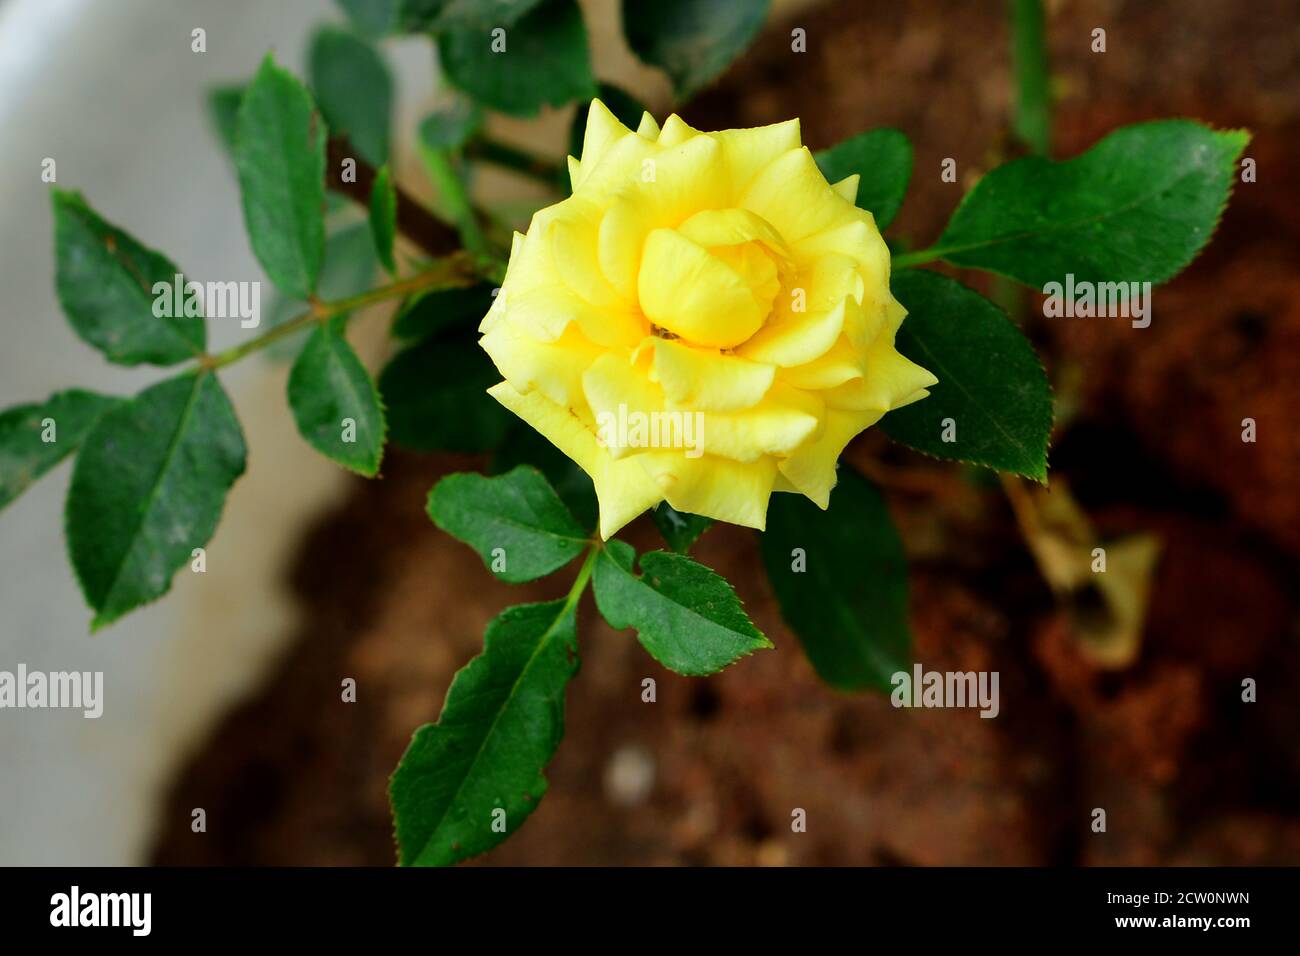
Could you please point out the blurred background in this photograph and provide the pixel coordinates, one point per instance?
(225, 695)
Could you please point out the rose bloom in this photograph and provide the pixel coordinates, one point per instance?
(710, 279)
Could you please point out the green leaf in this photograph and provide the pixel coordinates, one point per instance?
(883, 160)
(452, 126)
(148, 487)
(627, 109)
(442, 310)
(516, 522)
(106, 283)
(436, 396)
(353, 89)
(36, 437)
(280, 157)
(502, 721)
(1136, 207)
(335, 402)
(373, 18)
(992, 401)
(383, 218)
(693, 41)
(686, 616)
(848, 606)
(524, 445)
(223, 108)
(348, 270)
(544, 63)
(680, 529)
(350, 263)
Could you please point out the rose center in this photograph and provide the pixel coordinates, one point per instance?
(714, 295)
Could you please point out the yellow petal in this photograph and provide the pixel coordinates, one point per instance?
(619, 241)
(880, 316)
(572, 239)
(752, 263)
(858, 239)
(545, 312)
(847, 188)
(865, 324)
(811, 469)
(553, 368)
(603, 130)
(894, 314)
(679, 181)
(617, 166)
(823, 285)
(618, 390)
(676, 131)
(810, 315)
(648, 128)
(716, 488)
(529, 266)
(708, 379)
(795, 338)
(782, 483)
(622, 487)
(841, 364)
(536, 295)
(891, 382)
(685, 289)
(793, 195)
(496, 312)
(747, 152)
(730, 227)
(664, 190)
(783, 421)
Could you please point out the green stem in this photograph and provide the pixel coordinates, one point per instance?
(453, 271)
(909, 259)
(451, 190)
(519, 160)
(1032, 120)
(580, 582)
(222, 359)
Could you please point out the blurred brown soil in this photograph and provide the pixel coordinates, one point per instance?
(712, 771)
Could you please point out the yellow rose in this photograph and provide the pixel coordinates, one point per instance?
(705, 320)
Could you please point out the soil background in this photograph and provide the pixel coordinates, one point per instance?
(711, 772)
